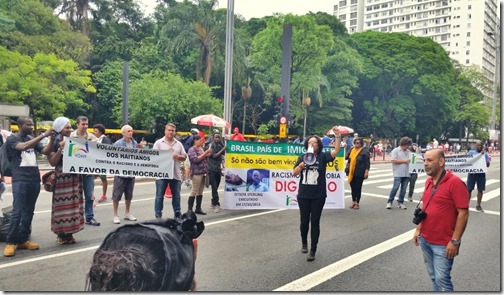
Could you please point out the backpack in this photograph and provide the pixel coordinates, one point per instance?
(5, 161)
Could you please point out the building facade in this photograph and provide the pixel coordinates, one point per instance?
(465, 28)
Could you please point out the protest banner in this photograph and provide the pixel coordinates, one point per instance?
(89, 157)
(259, 176)
(455, 163)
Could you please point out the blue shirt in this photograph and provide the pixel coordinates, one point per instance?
(326, 141)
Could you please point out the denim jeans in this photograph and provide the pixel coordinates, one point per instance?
(438, 265)
(160, 190)
(25, 194)
(398, 181)
(88, 188)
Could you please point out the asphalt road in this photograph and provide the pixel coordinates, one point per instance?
(259, 250)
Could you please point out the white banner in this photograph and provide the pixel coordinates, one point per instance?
(259, 176)
(89, 157)
(457, 163)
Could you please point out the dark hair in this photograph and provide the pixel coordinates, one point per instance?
(405, 141)
(100, 128)
(196, 137)
(22, 120)
(319, 143)
(134, 269)
(359, 139)
(81, 119)
(155, 255)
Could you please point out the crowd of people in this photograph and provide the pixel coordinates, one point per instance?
(73, 197)
(445, 201)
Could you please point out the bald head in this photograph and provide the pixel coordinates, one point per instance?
(434, 162)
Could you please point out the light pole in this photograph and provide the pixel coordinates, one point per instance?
(306, 104)
(228, 64)
(496, 36)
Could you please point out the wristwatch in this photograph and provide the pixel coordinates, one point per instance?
(455, 242)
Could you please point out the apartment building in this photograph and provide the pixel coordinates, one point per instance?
(465, 28)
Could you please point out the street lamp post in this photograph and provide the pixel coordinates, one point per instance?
(496, 35)
(306, 104)
(228, 64)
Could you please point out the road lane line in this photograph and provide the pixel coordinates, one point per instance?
(109, 203)
(31, 260)
(243, 217)
(324, 274)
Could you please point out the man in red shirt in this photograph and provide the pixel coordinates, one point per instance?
(237, 135)
(445, 202)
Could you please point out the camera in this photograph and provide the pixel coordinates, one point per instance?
(419, 215)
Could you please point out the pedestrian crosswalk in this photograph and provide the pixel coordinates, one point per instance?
(381, 177)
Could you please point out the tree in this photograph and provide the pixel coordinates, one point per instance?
(317, 56)
(48, 85)
(158, 98)
(407, 87)
(471, 113)
(194, 34)
(32, 28)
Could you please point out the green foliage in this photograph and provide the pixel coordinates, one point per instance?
(407, 87)
(157, 99)
(34, 29)
(389, 84)
(48, 85)
(472, 110)
(193, 30)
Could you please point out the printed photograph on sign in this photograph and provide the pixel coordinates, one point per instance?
(258, 180)
(234, 182)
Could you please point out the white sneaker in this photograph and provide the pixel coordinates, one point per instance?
(389, 205)
(130, 217)
(117, 220)
(401, 206)
(216, 209)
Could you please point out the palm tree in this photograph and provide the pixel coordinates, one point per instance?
(187, 26)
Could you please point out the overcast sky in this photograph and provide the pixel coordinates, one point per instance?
(260, 8)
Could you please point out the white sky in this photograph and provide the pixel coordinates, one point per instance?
(260, 8)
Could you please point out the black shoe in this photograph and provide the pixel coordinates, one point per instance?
(92, 221)
(158, 216)
(304, 248)
(311, 256)
(199, 211)
(177, 214)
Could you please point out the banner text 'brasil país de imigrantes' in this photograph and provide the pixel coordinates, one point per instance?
(259, 176)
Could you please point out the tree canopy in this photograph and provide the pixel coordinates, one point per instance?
(65, 57)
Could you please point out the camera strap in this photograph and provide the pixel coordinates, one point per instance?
(433, 191)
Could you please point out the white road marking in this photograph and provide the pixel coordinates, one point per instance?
(324, 274)
(61, 254)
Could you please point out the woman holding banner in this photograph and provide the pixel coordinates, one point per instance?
(67, 216)
(312, 190)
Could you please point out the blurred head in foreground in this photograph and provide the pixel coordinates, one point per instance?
(155, 255)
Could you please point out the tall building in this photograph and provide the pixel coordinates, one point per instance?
(469, 30)
(465, 28)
